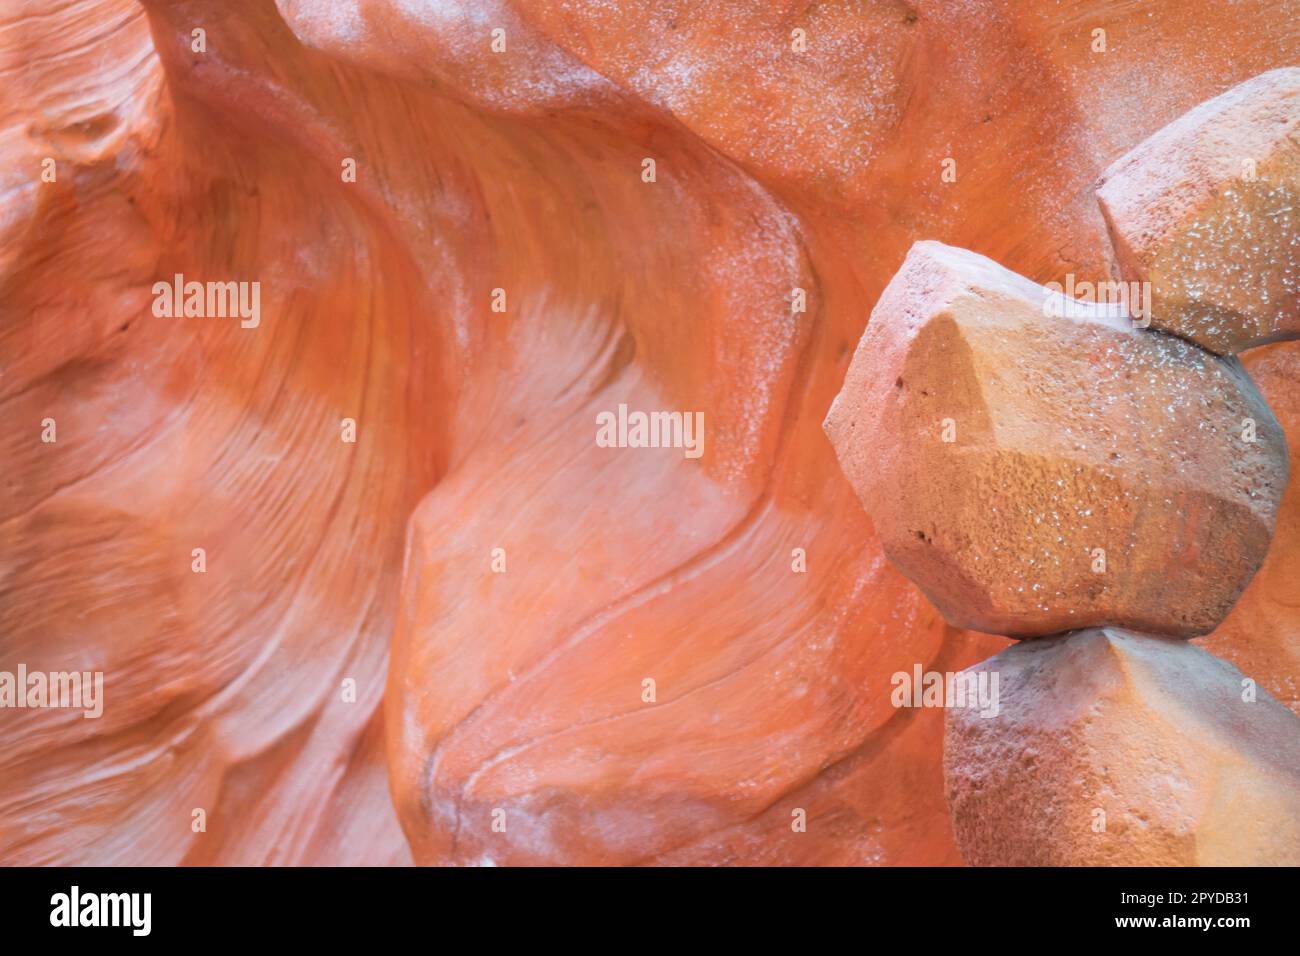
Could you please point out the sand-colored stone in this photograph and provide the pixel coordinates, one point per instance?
(1069, 436)
(1207, 211)
(1116, 748)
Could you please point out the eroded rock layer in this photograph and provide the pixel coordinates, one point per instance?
(518, 171)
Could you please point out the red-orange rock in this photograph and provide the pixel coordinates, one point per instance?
(1111, 748)
(1207, 211)
(1261, 635)
(1034, 472)
(478, 170)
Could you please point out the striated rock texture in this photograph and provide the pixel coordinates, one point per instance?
(518, 691)
(1117, 749)
(1208, 212)
(1037, 465)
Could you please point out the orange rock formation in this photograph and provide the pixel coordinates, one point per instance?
(982, 125)
(1081, 427)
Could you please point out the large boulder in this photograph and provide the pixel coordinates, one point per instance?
(1115, 748)
(1208, 212)
(1037, 465)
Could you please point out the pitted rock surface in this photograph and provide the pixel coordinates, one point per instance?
(1111, 748)
(1208, 212)
(1038, 466)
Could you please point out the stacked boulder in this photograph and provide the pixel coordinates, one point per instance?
(1054, 470)
(1208, 212)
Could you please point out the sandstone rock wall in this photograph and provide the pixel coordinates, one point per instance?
(329, 561)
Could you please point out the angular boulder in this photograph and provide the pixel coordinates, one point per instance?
(1207, 211)
(1115, 748)
(1035, 472)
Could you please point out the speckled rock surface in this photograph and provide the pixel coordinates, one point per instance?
(1035, 473)
(1207, 211)
(1114, 748)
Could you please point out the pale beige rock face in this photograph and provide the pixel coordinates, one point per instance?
(1114, 748)
(1072, 436)
(1220, 249)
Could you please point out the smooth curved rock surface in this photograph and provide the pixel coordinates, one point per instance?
(1117, 749)
(1207, 211)
(477, 172)
(1037, 466)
